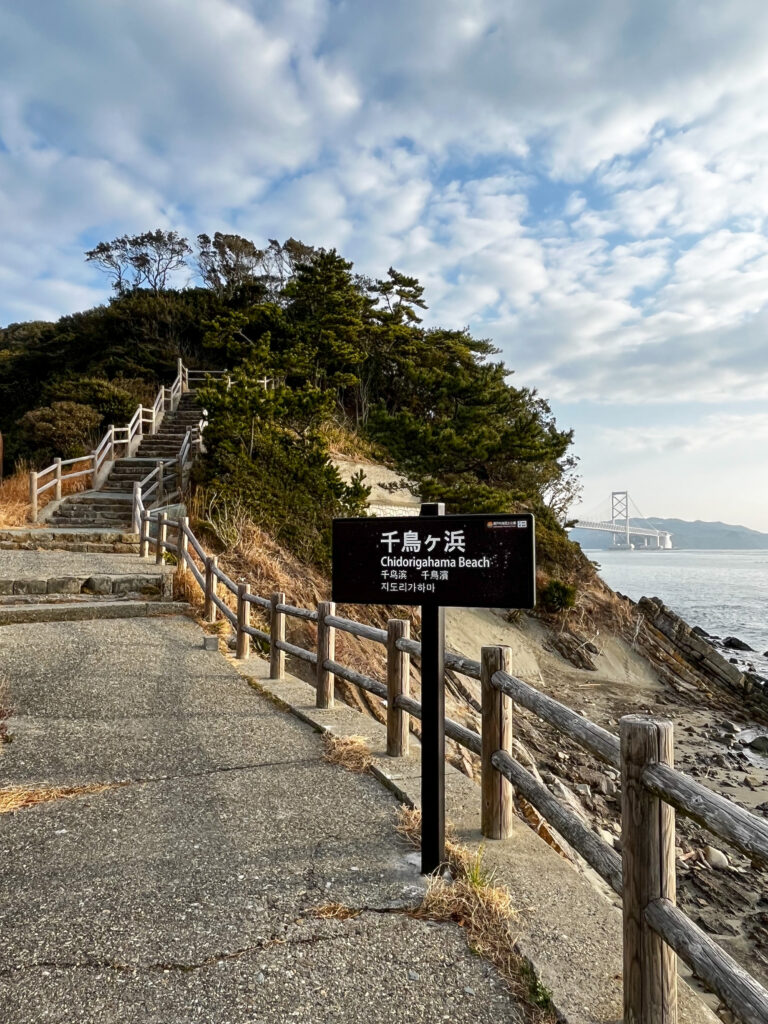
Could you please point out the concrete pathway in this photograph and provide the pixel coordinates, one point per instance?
(186, 891)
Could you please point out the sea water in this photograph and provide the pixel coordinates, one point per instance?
(724, 592)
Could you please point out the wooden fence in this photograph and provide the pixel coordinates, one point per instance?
(654, 929)
(122, 442)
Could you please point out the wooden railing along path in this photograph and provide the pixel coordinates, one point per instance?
(122, 442)
(654, 929)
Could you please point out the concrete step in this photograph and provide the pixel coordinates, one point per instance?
(168, 441)
(65, 538)
(91, 522)
(125, 486)
(143, 583)
(105, 504)
(97, 498)
(136, 472)
(104, 515)
(160, 451)
(131, 469)
(84, 597)
(11, 614)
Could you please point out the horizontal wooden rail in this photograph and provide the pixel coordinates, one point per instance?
(228, 583)
(199, 576)
(379, 636)
(723, 817)
(198, 547)
(297, 652)
(457, 662)
(466, 737)
(259, 634)
(599, 741)
(595, 852)
(297, 613)
(363, 681)
(262, 602)
(744, 996)
(64, 462)
(225, 610)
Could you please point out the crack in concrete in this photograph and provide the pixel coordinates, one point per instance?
(148, 780)
(167, 966)
(140, 781)
(354, 914)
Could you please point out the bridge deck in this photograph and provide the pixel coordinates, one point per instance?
(609, 527)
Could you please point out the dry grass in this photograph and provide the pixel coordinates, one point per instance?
(14, 497)
(473, 900)
(350, 752)
(186, 588)
(348, 444)
(18, 797)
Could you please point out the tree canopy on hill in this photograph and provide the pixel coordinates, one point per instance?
(337, 350)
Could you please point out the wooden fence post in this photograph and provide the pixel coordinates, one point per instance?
(182, 543)
(497, 795)
(648, 859)
(398, 682)
(160, 482)
(276, 632)
(112, 442)
(57, 487)
(162, 537)
(326, 651)
(144, 536)
(243, 620)
(211, 587)
(33, 496)
(94, 459)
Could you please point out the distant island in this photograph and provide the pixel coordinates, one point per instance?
(692, 536)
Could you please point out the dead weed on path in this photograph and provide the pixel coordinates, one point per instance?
(16, 798)
(469, 896)
(350, 752)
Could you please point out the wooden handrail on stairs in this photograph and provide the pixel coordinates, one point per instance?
(145, 421)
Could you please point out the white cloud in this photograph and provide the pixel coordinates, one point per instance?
(585, 184)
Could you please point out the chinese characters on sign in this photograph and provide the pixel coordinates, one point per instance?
(480, 561)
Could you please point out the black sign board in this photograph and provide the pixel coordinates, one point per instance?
(437, 561)
(475, 561)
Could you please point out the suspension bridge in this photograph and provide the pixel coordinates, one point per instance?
(624, 530)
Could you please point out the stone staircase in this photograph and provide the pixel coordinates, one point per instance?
(109, 507)
(53, 585)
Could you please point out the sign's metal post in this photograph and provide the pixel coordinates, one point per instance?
(432, 727)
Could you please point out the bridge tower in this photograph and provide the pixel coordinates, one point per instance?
(620, 511)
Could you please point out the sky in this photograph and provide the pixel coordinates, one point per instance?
(586, 184)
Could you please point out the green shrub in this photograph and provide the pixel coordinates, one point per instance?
(65, 429)
(556, 596)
